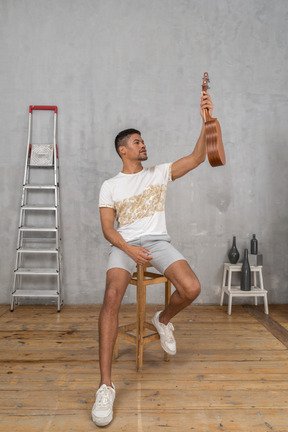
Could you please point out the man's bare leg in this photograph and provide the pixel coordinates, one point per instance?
(117, 281)
(187, 288)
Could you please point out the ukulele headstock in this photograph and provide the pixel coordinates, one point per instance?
(205, 83)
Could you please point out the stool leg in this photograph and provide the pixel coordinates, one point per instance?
(230, 293)
(255, 284)
(265, 295)
(266, 304)
(167, 299)
(141, 311)
(167, 292)
(142, 327)
(116, 350)
(229, 304)
(223, 287)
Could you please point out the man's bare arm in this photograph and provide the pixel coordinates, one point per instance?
(139, 254)
(188, 163)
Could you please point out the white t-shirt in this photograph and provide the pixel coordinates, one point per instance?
(138, 200)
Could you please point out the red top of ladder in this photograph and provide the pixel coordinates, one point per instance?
(43, 107)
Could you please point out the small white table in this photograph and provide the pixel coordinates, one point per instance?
(235, 291)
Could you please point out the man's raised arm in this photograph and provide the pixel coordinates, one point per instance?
(188, 163)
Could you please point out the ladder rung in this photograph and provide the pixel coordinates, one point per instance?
(36, 271)
(37, 229)
(35, 293)
(38, 207)
(37, 250)
(39, 186)
(41, 166)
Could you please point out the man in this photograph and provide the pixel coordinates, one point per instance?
(135, 198)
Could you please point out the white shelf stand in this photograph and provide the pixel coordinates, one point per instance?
(235, 291)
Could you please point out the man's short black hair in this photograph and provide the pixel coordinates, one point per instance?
(121, 138)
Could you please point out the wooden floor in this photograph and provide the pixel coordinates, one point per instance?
(230, 372)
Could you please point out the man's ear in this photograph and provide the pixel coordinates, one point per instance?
(122, 150)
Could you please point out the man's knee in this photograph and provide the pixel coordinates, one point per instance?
(184, 280)
(112, 296)
(115, 289)
(196, 289)
(192, 289)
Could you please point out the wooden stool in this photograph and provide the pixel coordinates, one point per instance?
(141, 278)
(235, 291)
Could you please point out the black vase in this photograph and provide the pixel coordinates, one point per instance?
(245, 273)
(254, 245)
(233, 254)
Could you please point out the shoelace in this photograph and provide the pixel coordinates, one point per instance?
(169, 328)
(105, 397)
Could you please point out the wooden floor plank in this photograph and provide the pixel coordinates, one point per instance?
(27, 343)
(273, 326)
(230, 372)
(253, 381)
(249, 420)
(136, 397)
(194, 370)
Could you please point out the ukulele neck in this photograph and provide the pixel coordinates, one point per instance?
(206, 115)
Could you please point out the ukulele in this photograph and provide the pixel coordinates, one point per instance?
(215, 149)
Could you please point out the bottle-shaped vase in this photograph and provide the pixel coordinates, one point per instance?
(233, 254)
(245, 273)
(254, 245)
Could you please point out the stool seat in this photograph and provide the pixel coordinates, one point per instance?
(235, 291)
(141, 279)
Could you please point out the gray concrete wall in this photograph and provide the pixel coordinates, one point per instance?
(113, 64)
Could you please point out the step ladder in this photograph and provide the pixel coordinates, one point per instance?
(38, 269)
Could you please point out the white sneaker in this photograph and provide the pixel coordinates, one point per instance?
(102, 411)
(167, 339)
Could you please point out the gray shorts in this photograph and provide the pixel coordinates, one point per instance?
(164, 254)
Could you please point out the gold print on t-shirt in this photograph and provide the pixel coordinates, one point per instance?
(151, 200)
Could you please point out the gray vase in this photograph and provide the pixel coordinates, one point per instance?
(246, 273)
(233, 254)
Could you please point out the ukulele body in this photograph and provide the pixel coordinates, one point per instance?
(214, 143)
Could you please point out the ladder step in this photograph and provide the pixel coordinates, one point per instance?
(41, 166)
(35, 293)
(37, 229)
(38, 207)
(36, 271)
(39, 186)
(37, 250)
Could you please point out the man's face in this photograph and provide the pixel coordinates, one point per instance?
(135, 148)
